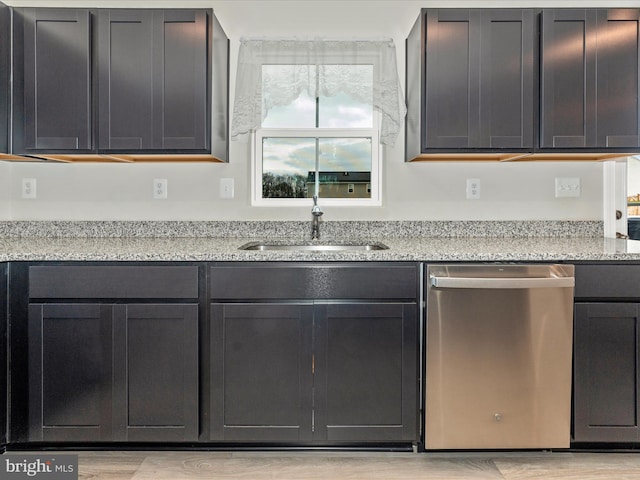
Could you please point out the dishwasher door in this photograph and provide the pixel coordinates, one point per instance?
(498, 356)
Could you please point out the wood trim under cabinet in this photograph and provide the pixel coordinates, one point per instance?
(111, 158)
(528, 157)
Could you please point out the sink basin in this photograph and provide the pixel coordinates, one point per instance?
(314, 247)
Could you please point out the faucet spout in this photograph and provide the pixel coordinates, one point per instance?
(316, 213)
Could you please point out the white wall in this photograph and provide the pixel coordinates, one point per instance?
(5, 190)
(412, 191)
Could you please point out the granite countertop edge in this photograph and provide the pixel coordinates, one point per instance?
(195, 241)
(436, 249)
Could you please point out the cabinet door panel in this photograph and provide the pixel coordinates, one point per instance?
(568, 77)
(5, 58)
(617, 82)
(261, 372)
(606, 373)
(451, 86)
(4, 285)
(180, 70)
(126, 79)
(506, 79)
(70, 372)
(57, 80)
(366, 377)
(156, 373)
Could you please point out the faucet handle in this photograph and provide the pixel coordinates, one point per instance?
(316, 208)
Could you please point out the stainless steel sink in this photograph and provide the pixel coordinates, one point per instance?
(314, 247)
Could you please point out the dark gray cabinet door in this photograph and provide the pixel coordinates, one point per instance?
(4, 299)
(589, 78)
(52, 102)
(126, 79)
(261, 372)
(479, 79)
(155, 373)
(181, 69)
(70, 372)
(318, 373)
(5, 70)
(606, 368)
(101, 372)
(153, 75)
(365, 358)
(507, 78)
(617, 82)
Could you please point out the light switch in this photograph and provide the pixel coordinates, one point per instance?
(226, 188)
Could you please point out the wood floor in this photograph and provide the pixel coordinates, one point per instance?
(316, 465)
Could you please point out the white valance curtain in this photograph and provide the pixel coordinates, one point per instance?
(315, 67)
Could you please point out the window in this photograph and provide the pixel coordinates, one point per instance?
(318, 111)
(323, 145)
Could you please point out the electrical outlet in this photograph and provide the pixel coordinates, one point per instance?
(473, 188)
(29, 188)
(567, 187)
(159, 188)
(226, 188)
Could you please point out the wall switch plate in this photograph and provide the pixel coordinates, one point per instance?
(567, 187)
(226, 188)
(159, 188)
(473, 188)
(29, 188)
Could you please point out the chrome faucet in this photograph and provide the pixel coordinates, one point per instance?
(315, 220)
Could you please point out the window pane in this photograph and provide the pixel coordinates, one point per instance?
(289, 167)
(286, 163)
(345, 168)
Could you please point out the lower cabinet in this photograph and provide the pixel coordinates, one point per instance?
(318, 370)
(606, 372)
(261, 371)
(109, 352)
(292, 353)
(113, 372)
(4, 320)
(70, 372)
(365, 372)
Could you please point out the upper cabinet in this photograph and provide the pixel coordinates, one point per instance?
(506, 84)
(52, 90)
(477, 80)
(589, 72)
(120, 81)
(153, 82)
(5, 55)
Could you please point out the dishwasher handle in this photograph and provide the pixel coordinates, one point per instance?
(502, 282)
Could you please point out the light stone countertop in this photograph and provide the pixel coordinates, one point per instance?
(471, 249)
(219, 241)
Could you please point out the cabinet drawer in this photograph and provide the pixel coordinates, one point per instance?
(607, 281)
(322, 281)
(115, 282)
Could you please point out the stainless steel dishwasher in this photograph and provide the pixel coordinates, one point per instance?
(498, 356)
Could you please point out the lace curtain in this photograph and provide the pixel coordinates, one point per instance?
(315, 67)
